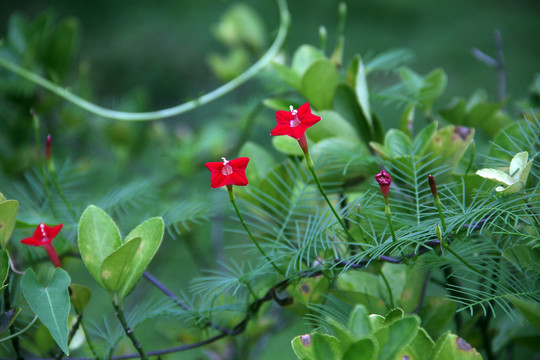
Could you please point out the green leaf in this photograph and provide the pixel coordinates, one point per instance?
(396, 337)
(524, 257)
(79, 296)
(436, 313)
(397, 142)
(261, 163)
(303, 57)
(151, 234)
(362, 93)
(363, 349)
(393, 315)
(8, 219)
(448, 145)
(50, 303)
(422, 345)
(7, 319)
(332, 125)
(319, 83)
(452, 347)
(529, 309)
(288, 75)
(4, 269)
(116, 267)
(432, 88)
(287, 145)
(347, 106)
(98, 237)
(317, 347)
(422, 140)
(359, 323)
(406, 122)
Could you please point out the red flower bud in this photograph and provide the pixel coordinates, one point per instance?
(384, 180)
(48, 151)
(432, 185)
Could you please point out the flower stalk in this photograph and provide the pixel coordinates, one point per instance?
(436, 199)
(129, 332)
(240, 217)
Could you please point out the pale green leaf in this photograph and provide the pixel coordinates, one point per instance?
(8, 219)
(98, 237)
(151, 234)
(116, 267)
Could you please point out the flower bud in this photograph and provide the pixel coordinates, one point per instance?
(384, 180)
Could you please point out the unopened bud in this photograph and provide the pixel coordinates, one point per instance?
(48, 150)
(438, 232)
(384, 179)
(432, 185)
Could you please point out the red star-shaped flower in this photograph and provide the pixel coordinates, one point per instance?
(228, 172)
(295, 122)
(43, 236)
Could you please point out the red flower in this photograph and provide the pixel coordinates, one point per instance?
(384, 180)
(228, 172)
(295, 122)
(43, 236)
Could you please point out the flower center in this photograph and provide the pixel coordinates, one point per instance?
(227, 169)
(44, 236)
(296, 121)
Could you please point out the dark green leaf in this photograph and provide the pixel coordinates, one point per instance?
(50, 303)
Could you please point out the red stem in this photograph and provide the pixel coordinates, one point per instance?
(52, 254)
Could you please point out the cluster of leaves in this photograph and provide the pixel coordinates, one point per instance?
(479, 253)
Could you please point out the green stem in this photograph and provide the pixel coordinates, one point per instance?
(233, 201)
(14, 336)
(311, 167)
(172, 111)
(387, 286)
(52, 171)
(388, 214)
(441, 216)
(90, 345)
(20, 332)
(129, 332)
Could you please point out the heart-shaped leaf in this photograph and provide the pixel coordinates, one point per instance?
(151, 234)
(50, 303)
(117, 266)
(98, 238)
(8, 219)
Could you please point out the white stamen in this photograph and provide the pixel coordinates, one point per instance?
(225, 161)
(293, 111)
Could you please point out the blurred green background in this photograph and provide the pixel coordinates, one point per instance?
(146, 55)
(163, 46)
